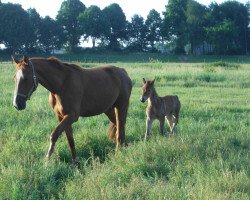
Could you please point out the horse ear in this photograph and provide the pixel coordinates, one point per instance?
(152, 82)
(26, 59)
(143, 80)
(14, 60)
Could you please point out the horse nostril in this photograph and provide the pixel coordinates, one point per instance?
(19, 105)
(142, 100)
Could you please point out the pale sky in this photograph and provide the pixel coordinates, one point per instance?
(129, 7)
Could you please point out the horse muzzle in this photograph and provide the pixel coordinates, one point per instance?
(143, 99)
(19, 102)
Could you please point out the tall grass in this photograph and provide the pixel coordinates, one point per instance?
(208, 159)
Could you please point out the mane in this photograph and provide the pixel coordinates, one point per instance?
(60, 64)
(154, 93)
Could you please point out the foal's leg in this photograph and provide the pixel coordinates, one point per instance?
(162, 121)
(66, 122)
(170, 122)
(149, 122)
(175, 121)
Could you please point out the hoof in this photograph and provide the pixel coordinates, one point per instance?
(46, 161)
(75, 161)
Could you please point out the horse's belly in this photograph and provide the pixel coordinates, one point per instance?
(97, 106)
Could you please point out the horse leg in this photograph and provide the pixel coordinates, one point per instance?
(112, 127)
(175, 121)
(149, 123)
(162, 121)
(66, 122)
(121, 115)
(71, 142)
(170, 122)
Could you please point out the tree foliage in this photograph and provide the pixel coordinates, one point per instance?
(229, 22)
(137, 33)
(175, 19)
(223, 28)
(15, 26)
(35, 22)
(67, 17)
(195, 19)
(153, 24)
(93, 23)
(50, 34)
(117, 25)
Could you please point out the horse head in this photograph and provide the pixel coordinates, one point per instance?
(25, 82)
(146, 89)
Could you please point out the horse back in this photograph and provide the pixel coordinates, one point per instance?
(103, 88)
(120, 75)
(172, 101)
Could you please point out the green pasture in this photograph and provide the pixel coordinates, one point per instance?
(208, 158)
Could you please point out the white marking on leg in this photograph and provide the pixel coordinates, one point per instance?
(50, 151)
(148, 127)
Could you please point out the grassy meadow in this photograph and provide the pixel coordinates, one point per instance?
(208, 159)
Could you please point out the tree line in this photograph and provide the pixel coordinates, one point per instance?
(186, 27)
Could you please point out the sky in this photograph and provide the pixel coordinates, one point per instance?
(129, 7)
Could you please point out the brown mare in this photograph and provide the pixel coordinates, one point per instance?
(75, 92)
(160, 108)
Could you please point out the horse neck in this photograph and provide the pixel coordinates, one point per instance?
(48, 76)
(153, 96)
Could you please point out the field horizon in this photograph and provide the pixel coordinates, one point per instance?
(207, 159)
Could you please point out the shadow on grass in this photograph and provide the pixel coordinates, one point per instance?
(97, 148)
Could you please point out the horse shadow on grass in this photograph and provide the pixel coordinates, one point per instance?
(96, 149)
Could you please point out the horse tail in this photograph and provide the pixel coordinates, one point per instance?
(112, 131)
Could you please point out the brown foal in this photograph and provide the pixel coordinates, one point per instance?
(160, 108)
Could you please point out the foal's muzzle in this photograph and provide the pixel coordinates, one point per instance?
(19, 102)
(143, 99)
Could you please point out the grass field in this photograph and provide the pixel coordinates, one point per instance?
(208, 159)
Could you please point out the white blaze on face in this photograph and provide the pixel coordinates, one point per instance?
(19, 76)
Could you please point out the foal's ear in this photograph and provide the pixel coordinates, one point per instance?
(14, 60)
(25, 59)
(143, 80)
(152, 82)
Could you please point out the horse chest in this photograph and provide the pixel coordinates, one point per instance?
(152, 111)
(56, 104)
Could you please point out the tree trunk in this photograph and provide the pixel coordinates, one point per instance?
(93, 42)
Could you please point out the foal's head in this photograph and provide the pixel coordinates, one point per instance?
(25, 82)
(146, 89)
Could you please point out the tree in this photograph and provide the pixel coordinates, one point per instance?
(175, 23)
(195, 18)
(50, 34)
(223, 36)
(153, 24)
(93, 23)
(237, 13)
(229, 14)
(35, 21)
(137, 33)
(15, 27)
(67, 17)
(117, 21)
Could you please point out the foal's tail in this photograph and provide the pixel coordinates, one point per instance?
(112, 131)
